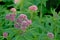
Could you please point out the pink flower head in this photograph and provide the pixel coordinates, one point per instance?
(13, 10)
(33, 8)
(50, 35)
(19, 21)
(16, 25)
(10, 17)
(24, 24)
(29, 22)
(23, 28)
(16, 1)
(22, 16)
(5, 34)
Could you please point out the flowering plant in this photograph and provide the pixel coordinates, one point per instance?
(29, 20)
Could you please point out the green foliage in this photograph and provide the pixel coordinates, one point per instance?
(40, 25)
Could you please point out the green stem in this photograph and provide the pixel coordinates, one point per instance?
(31, 16)
(21, 5)
(41, 11)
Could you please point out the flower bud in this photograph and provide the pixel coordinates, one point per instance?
(13, 10)
(5, 34)
(50, 35)
(16, 1)
(33, 8)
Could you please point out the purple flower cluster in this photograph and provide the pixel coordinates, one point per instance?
(10, 16)
(22, 22)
